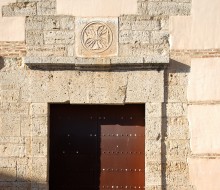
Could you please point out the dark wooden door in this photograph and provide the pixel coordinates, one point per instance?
(96, 147)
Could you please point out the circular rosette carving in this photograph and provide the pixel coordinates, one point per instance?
(96, 37)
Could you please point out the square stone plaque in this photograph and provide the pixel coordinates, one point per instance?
(96, 37)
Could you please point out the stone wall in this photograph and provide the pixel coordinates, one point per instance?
(45, 69)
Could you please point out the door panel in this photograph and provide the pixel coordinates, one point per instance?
(96, 147)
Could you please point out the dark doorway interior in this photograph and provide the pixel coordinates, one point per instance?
(95, 147)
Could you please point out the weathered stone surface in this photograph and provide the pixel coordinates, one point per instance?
(20, 9)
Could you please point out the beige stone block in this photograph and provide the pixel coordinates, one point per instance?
(14, 108)
(96, 8)
(12, 150)
(39, 169)
(204, 173)
(8, 163)
(39, 109)
(153, 109)
(153, 128)
(39, 146)
(10, 125)
(176, 109)
(177, 149)
(145, 87)
(39, 125)
(50, 87)
(204, 80)
(9, 96)
(12, 140)
(24, 173)
(96, 37)
(7, 174)
(26, 127)
(204, 128)
(98, 87)
(176, 93)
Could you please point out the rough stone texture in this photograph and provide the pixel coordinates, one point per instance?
(143, 49)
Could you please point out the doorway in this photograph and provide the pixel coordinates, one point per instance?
(95, 147)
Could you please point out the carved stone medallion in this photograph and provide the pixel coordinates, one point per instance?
(96, 37)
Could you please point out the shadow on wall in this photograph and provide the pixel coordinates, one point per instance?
(2, 63)
(12, 182)
(175, 75)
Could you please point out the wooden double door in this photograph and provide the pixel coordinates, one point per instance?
(95, 147)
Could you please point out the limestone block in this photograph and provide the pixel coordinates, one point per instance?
(39, 125)
(87, 30)
(39, 109)
(28, 146)
(39, 169)
(9, 95)
(95, 87)
(153, 150)
(8, 163)
(159, 37)
(20, 9)
(46, 8)
(204, 173)
(67, 23)
(149, 25)
(24, 172)
(43, 22)
(176, 109)
(34, 37)
(8, 174)
(50, 87)
(176, 130)
(31, 61)
(154, 128)
(180, 179)
(10, 125)
(204, 80)
(153, 110)
(128, 36)
(26, 128)
(12, 140)
(157, 58)
(135, 50)
(177, 79)
(176, 93)
(92, 61)
(177, 149)
(127, 60)
(55, 50)
(204, 128)
(145, 87)
(39, 146)
(168, 8)
(12, 150)
(14, 108)
(59, 37)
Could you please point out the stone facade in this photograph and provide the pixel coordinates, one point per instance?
(56, 64)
